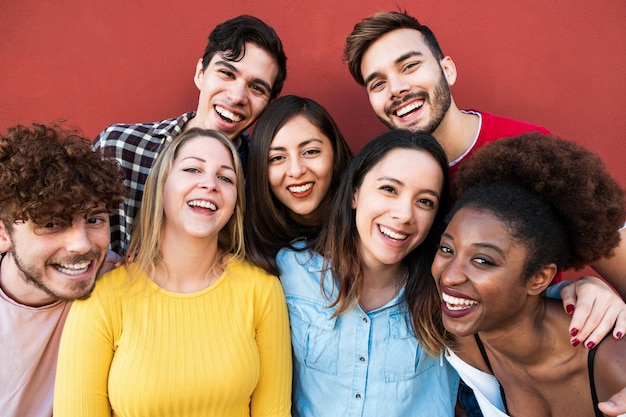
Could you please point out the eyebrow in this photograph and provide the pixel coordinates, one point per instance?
(398, 60)
(397, 181)
(300, 145)
(203, 160)
(479, 245)
(236, 70)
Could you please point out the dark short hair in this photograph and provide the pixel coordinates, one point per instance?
(229, 40)
(370, 29)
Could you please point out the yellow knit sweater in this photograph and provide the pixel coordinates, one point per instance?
(139, 350)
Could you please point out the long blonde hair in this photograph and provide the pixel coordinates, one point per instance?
(145, 243)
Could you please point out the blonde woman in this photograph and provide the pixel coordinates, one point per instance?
(187, 328)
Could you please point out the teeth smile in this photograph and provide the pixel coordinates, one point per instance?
(73, 269)
(407, 109)
(391, 234)
(300, 188)
(232, 117)
(455, 303)
(203, 204)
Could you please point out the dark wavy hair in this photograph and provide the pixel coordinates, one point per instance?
(268, 226)
(229, 40)
(338, 241)
(47, 172)
(582, 194)
(370, 29)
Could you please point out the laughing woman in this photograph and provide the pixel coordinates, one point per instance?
(351, 299)
(296, 158)
(530, 206)
(187, 328)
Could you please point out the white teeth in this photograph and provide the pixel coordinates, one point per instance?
(227, 114)
(414, 105)
(73, 269)
(300, 188)
(203, 204)
(390, 233)
(455, 303)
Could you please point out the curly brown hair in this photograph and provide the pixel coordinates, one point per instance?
(47, 172)
(573, 179)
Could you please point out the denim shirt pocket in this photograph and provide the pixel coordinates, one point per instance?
(314, 339)
(402, 356)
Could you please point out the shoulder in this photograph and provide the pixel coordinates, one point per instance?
(610, 366)
(140, 131)
(497, 127)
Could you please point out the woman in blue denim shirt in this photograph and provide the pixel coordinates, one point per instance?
(353, 317)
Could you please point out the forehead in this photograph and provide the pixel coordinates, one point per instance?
(297, 129)
(205, 148)
(392, 47)
(256, 62)
(415, 168)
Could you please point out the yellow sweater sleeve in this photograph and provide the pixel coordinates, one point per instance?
(143, 351)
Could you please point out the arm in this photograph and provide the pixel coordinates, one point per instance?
(85, 355)
(598, 310)
(272, 395)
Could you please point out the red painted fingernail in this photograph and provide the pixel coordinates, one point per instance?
(590, 345)
(569, 308)
(574, 331)
(619, 335)
(575, 342)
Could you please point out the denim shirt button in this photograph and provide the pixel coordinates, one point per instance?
(362, 359)
(364, 319)
(358, 396)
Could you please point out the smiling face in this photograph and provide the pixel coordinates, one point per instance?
(478, 271)
(396, 205)
(55, 261)
(200, 191)
(234, 93)
(300, 168)
(407, 86)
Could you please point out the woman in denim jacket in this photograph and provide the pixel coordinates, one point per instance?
(351, 299)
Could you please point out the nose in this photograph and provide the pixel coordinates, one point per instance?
(398, 85)
(295, 168)
(402, 211)
(78, 239)
(208, 181)
(448, 269)
(236, 92)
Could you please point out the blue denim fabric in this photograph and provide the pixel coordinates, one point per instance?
(358, 364)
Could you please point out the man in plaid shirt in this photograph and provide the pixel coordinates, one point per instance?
(243, 68)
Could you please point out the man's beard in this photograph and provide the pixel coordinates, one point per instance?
(35, 277)
(439, 105)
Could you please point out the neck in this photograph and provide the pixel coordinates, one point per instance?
(190, 264)
(456, 132)
(536, 333)
(381, 286)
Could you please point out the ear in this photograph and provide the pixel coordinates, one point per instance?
(5, 239)
(355, 197)
(198, 75)
(542, 279)
(449, 69)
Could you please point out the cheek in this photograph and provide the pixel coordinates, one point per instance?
(274, 177)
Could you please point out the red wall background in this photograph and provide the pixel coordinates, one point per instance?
(558, 63)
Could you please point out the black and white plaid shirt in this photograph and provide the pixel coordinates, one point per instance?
(135, 147)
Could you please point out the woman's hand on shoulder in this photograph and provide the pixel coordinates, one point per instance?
(596, 311)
